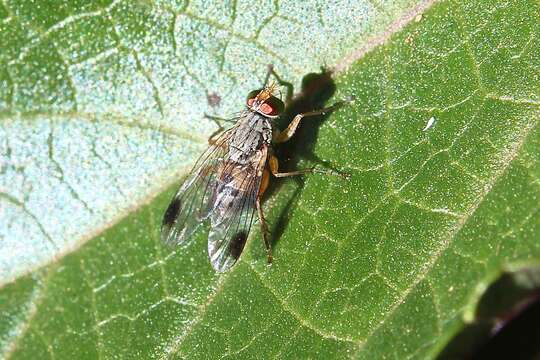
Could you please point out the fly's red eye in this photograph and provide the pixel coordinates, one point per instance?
(250, 101)
(266, 109)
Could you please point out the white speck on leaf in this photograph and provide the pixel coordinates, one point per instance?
(429, 124)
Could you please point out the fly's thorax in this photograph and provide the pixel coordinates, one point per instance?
(253, 131)
(235, 184)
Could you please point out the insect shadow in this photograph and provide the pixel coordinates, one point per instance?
(316, 90)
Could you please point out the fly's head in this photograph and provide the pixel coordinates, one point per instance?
(264, 102)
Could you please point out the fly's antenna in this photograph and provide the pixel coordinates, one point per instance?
(272, 88)
(267, 92)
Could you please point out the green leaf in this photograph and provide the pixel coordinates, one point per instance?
(441, 142)
(102, 102)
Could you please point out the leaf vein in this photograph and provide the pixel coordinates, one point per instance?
(295, 315)
(453, 232)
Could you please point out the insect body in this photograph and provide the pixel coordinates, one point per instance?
(227, 182)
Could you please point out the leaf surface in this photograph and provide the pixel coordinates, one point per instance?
(102, 102)
(442, 144)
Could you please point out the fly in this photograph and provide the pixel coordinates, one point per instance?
(227, 182)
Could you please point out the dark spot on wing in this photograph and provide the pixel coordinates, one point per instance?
(226, 178)
(237, 244)
(235, 199)
(172, 212)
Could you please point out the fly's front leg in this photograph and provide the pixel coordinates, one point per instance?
(217, 120)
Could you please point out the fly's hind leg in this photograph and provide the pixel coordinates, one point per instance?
(264, 226)
(274, 168)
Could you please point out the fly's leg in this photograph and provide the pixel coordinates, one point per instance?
(264, 227)
(264, 230)
(217, 120)
(286, 134)
(281, 82)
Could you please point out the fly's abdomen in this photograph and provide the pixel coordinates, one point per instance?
(232, 192)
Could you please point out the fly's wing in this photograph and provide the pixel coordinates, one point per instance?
(192, 202)
(234, 209)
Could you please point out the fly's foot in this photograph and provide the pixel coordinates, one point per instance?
(349, 99)
(345, 175)
(341, 174)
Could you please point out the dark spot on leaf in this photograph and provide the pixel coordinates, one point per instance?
(213, 99)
